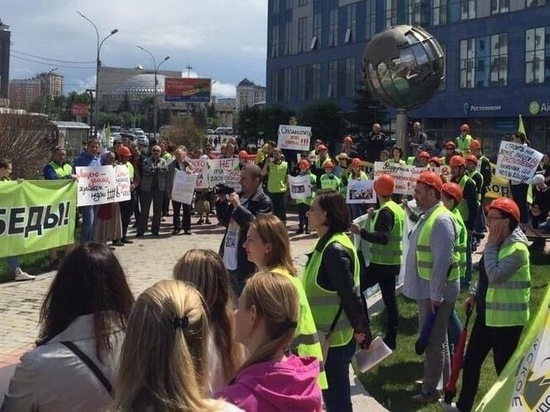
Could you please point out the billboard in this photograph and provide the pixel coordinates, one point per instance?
(80, 109)
(187, 90)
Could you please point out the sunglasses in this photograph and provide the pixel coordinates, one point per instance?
(463, 130)
(155, 150)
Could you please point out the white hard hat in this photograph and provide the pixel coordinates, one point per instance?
(538, 179)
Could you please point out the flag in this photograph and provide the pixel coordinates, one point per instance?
(524, 384)
(521, 127)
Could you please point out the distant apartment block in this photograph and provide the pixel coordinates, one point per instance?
(249, 94)
(23, 92)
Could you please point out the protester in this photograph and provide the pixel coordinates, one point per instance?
(236, 212)
(384, 232)
(204, 269)
(417, 137)
(82, 324)
(163, 363)
(347, 147)
(137, 163)
(397, 156)
(88, 158)
(519, 189)
(484, 166)
(268, 247)
(305, 203)
(357, 173)
(13, 262)
(430, 280)
(276, 170)
(376, 142)
(464, 140)
(152, 189)
(450, 151)
(270, 380)
(331, 282)
(501, 298)
(183, 219)
(322, 157)
(329, 180)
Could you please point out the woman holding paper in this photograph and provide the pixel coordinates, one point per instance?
(331, 283)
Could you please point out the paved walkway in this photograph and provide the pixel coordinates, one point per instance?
(145, 262)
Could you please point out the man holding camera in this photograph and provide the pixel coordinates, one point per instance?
(235, 212)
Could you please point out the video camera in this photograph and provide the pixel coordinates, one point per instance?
(223, 189)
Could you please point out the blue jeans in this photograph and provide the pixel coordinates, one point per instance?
(453, 331)
(88, 222)
(13, 263)
(338, 395)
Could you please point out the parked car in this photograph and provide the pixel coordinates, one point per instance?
(210, 131)
(141, 137)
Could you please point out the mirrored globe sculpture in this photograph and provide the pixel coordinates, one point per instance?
(403, 66)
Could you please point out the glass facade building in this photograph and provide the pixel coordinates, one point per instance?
(497, 57)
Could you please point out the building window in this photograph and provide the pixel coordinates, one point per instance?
(316, 39)
(350, 79)
(351, 26)
(537, 55)
(467, 9)
(443, 83)
(302, 3)
(288, 38)
(276, 6)
(289, 4)
(333, 28)
(415, 12)
(332, 78)
(500, 6)
(287, 88)
(536, 3)
(484, 61)
(370, 30)
(309, 82)
(439, 12)
(274, 42)
(391, 13)
(302, 35)
(275, 86)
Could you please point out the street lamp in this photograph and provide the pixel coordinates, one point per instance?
(156, 68)
(95, 107)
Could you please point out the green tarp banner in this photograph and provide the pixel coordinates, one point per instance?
(36, 215)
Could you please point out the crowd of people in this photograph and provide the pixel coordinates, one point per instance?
(243, 329)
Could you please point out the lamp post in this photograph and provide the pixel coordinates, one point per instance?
(95, 106)
(156, 68)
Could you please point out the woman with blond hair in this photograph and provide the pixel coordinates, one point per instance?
(163, 364)
(204, 269)
(268, 247)
(265, 323)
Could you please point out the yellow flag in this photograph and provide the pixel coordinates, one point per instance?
(521, 127)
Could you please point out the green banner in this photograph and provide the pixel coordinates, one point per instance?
(36, 215)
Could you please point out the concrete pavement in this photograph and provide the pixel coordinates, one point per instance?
(146, 261)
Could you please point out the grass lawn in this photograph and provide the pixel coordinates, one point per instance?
(392, 382)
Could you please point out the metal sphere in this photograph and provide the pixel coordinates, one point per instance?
(403, 66)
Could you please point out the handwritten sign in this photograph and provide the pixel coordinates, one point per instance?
(294, 137)
(219, 171)
(517, 162)
(184, 186)
(300, 186)
(122, 182)
(402, 174)
(200, 167)
(360, 191)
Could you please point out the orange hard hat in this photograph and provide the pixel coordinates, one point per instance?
(328, 164)
(431, 179)
(243, 154)
(321, 147)
(453, 190)
(457, 161)
(124, 151)
(384, 184)
(356, 162)
(435, 160)
(348, 139)
(426, 155)
(475, 144)
(450, 145)
(506, 205)
(304, 164)
(471, 158)
(465, 128)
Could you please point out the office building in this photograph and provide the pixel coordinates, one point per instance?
(497, 56)
(5, 42)
(52, 84)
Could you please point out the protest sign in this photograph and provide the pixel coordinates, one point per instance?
(294, 137)
(200, 167)
(360, 191)
(402, 174)
(300, 186)
(36, 215)
(122, 182)
(499, 187)
(102, 184)
(184, 187)
(517, 162)
(220, 171)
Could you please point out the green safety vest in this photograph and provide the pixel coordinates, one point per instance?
(463, 143)
(319, 163)
(424, 260)
(131, 170)
(276, 178)
(507, 303)
(325, 303)
(328, 183)
(391, 253)
(470, 175)
(309, 200)
(351, 177)
(461, 244)
(62, 172)
(463, 206)
(410, 160)
(306, 341)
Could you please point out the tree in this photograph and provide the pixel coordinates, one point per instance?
(186, 132)
(366, 111)
(270, 119)
(325, 120)
(249, 124)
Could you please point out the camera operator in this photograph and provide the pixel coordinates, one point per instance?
(235, 212)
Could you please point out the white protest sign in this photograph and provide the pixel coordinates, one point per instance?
(184, 186)
(122, 181)
(294, 137)
(200, 167)
(360, 191)
(402, 174)
(517, 162)
(96, 185)
(233, 179)
(220, 171)
(300, 186)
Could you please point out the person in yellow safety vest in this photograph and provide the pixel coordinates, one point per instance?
(467, 208)
(432, 280)
(331, 283)
(58, 168)
(464, 140)
(423, 158)
(276, 169)
(304, 204)
(501, 298)
(415, 160)
(397, 156)
(471, 169)
(329, 180)
(384, 232)
(318, 163)
(357, 173)
(450, 151)
(434, 162)
(268, 247)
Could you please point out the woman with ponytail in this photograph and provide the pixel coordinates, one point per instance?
(271, 380)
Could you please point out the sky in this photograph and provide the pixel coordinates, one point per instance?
(224, 40)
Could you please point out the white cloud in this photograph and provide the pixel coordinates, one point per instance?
(224, 90)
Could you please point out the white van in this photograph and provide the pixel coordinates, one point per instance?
(224, 130)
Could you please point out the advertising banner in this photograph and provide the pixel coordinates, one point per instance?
(360, 191)
(187, 90)
(300, 186)
(102, 184)
(517, 162)
(184, 187)
(36, 215)
(294, 137)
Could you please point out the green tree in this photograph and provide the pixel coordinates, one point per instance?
(270, 119)
(366, 111)
(186, 132)
(249, 124)
(325, 119)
